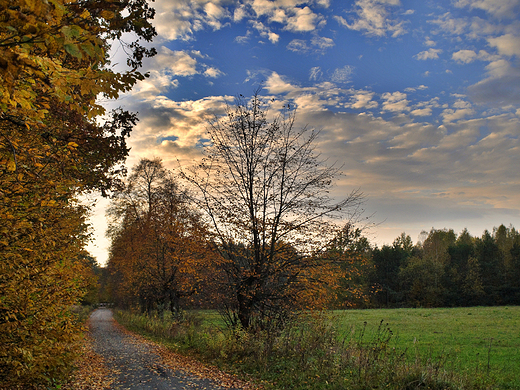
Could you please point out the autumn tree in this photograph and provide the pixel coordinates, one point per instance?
(264, 190)
(53, 64)
(159, 247)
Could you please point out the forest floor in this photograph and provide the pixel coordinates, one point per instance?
(115, 359)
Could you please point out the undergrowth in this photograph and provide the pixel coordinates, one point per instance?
(307, 354)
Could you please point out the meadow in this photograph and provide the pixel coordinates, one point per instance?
(455, 348)
(469, 339)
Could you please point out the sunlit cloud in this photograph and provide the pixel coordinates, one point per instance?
(265, 31)
(395, 102)
(425, 123)
(181, 19)
(213, 72)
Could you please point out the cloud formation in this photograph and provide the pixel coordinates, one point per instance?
(374, 18)
(420, 106)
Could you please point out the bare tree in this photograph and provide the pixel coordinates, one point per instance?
(265, 191)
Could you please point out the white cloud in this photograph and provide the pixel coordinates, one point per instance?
(449, 25)
(276, 85)
(430, 54)
(322, 42)
(430, 42)
(499, 68)
(302, 20)
(363, 100)
(468, 56)
(180, 19)
(464, 56)
(157, 84)
(317, 45)
(299, 46)
(179, 63)
(342, 75)
(413, 89)
(243, 39)
(395, 102)
(373, 18)
(452, 115)
(213, 72)
(499, 8)
(265, 31)
(461, 104)
(289, 14)
(315, 73)
(240, 13)
(427, 111)
(214, 14)
(508, 44)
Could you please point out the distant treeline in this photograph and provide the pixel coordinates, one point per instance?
(442, 270)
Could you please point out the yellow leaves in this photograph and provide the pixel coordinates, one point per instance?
(11, 166)
(85, 14)
(48, 203)
(107, 14)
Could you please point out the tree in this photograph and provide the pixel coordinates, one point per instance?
(490, 260)
(57, 51)
(264, 190)
(158, 242)
(54, 63)
(351, 252)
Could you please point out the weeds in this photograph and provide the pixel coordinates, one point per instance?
(308, 354)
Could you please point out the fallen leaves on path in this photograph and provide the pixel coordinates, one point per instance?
(91, 372)
(191, 366)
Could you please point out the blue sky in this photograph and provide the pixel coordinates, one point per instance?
(418, 100)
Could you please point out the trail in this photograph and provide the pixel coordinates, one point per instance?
(134, 363)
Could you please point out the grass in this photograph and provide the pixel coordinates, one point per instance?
(471, 339)
(395, 349)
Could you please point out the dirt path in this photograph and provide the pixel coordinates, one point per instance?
(135, 363)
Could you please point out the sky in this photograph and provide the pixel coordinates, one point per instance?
(418, 101)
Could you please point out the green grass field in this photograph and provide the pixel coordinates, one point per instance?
(479, 345)
(468, 338)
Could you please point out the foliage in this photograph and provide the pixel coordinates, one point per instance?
(264, 191)
(57, 51)
(351, 252)
(159, 253)
(53, 64)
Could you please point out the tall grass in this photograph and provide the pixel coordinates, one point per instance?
(308, 354)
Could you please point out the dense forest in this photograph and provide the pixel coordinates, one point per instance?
(444, 269)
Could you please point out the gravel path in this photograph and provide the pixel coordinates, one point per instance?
(134, 363)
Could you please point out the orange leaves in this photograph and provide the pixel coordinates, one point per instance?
(158, 251)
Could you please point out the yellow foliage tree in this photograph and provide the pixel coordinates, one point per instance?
(53, 65)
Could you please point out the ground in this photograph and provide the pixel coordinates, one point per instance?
(116, 359)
